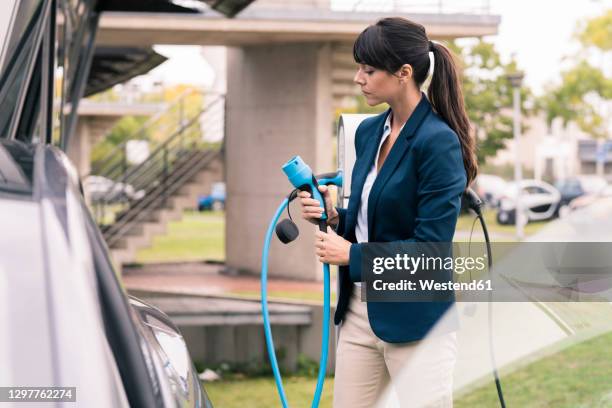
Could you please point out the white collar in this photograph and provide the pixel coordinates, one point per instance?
(387, 127)
(388, 122)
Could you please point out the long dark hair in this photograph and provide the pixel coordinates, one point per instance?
(395, 41)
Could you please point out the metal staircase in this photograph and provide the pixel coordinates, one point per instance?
(174, 174)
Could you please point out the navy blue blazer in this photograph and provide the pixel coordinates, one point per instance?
(416, 197)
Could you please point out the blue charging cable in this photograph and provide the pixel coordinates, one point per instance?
(301, 177)
(266, 317)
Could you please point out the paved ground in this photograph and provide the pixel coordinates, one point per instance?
(205, 279)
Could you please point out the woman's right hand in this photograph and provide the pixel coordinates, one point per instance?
(311, 210)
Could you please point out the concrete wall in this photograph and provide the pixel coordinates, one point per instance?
(79, 148)
(212, 345)
(89, 131)
(278, 106)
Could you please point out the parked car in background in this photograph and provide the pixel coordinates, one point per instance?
(101, 189)
(540, 201)
(214, 201)
(574, 187)
(490, 188)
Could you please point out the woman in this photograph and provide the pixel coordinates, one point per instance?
(413, 163)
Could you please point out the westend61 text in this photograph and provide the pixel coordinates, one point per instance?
(430, 284)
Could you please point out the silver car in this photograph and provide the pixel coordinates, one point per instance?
(102, 189)
(66, 320)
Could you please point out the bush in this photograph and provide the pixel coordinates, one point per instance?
(306, 366)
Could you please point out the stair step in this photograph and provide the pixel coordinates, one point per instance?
(191, 182)
(135, 230)
(119, 244)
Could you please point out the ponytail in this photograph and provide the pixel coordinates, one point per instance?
(447, 100)
(394, 41)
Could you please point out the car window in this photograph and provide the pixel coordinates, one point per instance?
(25, 12)
(535, 190)
(570, 186)
(7, 8)
(19, 56)
(16, 166)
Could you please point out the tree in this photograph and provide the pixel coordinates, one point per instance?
(125, 129)
(569, 100)
(597, 32)
(584, 88)
(181, 104)
(488, 95)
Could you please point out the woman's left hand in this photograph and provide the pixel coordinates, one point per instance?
(332, 248)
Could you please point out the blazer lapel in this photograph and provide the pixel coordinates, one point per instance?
(399, 149)
(362, 167)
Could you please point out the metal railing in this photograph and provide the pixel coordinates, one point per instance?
(115, 163)
(156, 199)
(148, 184)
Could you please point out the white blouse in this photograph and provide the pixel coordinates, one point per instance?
(361, 229)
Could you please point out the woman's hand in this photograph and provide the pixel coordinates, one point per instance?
(332, 248)
(311, 210)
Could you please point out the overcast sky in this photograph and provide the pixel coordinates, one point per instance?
(538, 32)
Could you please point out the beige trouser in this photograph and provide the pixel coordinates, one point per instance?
(420, 372)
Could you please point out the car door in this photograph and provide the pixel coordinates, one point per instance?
(542, 202)
(139, 334)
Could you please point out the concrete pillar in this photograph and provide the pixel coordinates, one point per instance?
(213, 124)
(278, 106)
(79, 148)
(89, 131)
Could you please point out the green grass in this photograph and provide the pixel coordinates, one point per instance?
(196, 237)
(464, 223)
(105, 215)
(261, 392)
(578, 376)
(201, 236)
